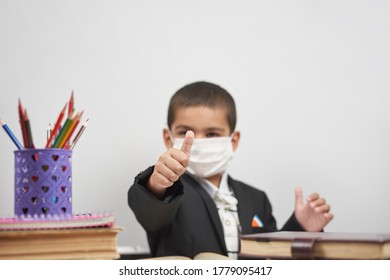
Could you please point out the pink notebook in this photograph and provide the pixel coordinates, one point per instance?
(85, 220)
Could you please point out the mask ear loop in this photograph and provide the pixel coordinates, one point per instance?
(231, 139)
(232, 135)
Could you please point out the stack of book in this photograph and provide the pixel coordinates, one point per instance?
(91, 236)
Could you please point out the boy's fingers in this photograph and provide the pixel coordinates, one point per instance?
(187, 143)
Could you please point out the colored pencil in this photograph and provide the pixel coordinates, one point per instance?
(63, 132)
(79, 133)
(58, 135)
(71, 105)
(29, 133)
(56, 127)
(71, 129)
(22, 123)
(11, 135)
(48, 132)
(68, 129)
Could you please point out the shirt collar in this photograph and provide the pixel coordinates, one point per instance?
(211, 189)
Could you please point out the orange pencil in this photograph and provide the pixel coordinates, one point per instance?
(56, 127)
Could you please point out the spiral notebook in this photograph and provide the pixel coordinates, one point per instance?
(84, 220)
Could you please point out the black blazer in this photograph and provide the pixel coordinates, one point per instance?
(186, 221)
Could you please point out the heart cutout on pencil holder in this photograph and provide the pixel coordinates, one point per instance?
(45, 210)
(25, 189)
(34, 200)
(63, 209)
(45, 189)
(34, 178)
(24, 210)
(63, 168)
(54, 199)
(54, 178)
(63, 189)
(54, 157)
(45, 167)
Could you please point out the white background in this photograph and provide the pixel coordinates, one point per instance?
(310, 80)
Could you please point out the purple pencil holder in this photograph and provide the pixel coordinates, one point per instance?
(43, 182)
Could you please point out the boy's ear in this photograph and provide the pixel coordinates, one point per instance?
(235, 139)
(167, 139)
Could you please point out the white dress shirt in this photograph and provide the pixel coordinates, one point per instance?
(227, 209)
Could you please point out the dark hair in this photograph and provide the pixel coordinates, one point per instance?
(203, 94)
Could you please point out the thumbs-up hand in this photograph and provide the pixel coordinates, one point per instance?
(313, 215)
(170, 166)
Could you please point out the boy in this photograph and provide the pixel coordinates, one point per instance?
(187, 203)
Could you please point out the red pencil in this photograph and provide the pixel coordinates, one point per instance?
(56, 127)
(71, 105)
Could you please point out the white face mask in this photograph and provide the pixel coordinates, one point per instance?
(209, 156)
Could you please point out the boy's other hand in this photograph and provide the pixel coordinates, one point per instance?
(313, 215)
(170, 166)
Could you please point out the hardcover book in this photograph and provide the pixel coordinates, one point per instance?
(315, 245)
(77, 243)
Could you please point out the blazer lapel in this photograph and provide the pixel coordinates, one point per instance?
(210, 206)
(244, 214)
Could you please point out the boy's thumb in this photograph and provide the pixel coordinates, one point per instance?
(298, 196)
(187, 143)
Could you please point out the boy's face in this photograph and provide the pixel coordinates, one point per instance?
(205, 122)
